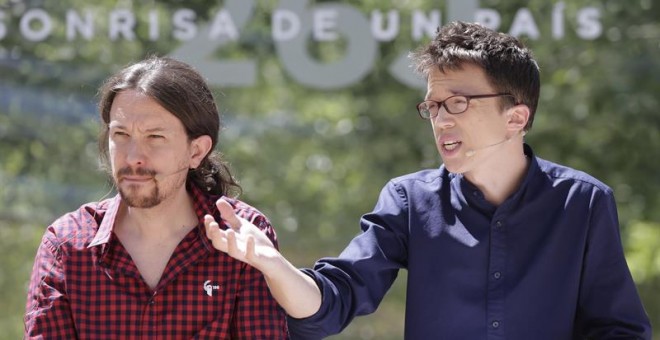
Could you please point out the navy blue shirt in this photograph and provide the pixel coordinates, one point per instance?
(546, 264)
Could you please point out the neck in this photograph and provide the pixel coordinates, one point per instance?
(168, 217)
(501, 176)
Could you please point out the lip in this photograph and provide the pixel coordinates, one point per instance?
(449, 139)
(135, 179)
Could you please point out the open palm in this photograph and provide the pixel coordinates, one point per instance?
(242, 240)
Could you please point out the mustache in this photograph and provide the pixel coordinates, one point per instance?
(128, 171)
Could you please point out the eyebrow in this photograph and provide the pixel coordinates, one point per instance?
(156, 129)
(451, 93)
(113, 125)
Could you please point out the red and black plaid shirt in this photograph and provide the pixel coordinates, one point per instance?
(85, 285)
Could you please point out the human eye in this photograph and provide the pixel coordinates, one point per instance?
(431, 105)
(456, 104)
(457, 100)
(428, 108)
(119, 134)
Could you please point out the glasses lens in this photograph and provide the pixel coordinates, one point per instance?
(427, 109)
(456, 104)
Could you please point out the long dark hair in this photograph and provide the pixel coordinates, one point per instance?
(181, 90)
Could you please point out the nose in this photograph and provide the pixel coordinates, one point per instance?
(135, 154)
(443, 120)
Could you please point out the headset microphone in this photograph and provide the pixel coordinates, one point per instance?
(162, 176)
(472, 152)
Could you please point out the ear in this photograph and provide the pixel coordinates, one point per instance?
(517, 118)
(199, 147)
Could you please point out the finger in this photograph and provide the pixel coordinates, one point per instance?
(208, 219)
(211, 225)
(250, 248)
(214, 234)
(228, 214)
(219, 241)
(232, 247)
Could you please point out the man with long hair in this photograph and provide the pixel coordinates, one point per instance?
(139, 265)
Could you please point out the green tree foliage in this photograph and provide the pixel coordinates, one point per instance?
(315, 160)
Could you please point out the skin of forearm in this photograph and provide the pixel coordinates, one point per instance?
(296, 292)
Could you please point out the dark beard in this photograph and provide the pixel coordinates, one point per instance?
(134, 201)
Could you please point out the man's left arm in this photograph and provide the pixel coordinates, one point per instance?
(609, 305)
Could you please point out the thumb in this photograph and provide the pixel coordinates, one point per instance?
(228, 214)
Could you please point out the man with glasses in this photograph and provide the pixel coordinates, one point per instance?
(498, 243)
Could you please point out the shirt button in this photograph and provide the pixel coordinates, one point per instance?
(495, 324)
(152, 302)
(497, 275)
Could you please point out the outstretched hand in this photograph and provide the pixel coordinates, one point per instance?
(295, 291)
(242, 240)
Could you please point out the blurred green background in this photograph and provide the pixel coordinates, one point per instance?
(312, 157)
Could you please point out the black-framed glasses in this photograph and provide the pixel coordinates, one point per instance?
(453, 105)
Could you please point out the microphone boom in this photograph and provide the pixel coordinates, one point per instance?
(471, 153)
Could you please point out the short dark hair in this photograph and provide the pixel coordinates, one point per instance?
(181, 90)
(509, 66)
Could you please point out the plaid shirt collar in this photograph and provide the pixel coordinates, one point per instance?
(201, 203)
